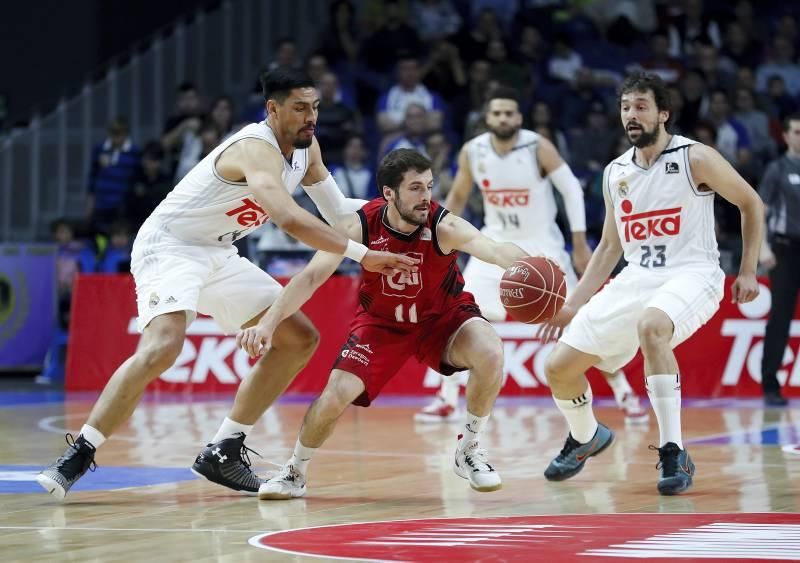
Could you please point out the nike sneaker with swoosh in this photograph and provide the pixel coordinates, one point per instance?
(573, 455)
(677, 469)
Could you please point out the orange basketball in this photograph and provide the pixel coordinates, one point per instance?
(533, 289)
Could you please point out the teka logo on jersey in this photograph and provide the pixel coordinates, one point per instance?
(508, 197)
(404, 284)
(249, 214)
(659, 223)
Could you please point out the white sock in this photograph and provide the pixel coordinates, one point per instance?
(664, 391)
(579, 415)
(92, 435)
(229, 429)
(473, 428)
(619, 385)
(449, 390)
(301, 457)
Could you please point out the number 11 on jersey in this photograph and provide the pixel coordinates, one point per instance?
(412, 313)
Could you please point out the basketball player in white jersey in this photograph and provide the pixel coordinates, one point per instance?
(516, 170)
(184, 262)
(659, 199)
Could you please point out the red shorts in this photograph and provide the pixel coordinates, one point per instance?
(377, 348)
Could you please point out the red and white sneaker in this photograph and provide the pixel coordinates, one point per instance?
(792, 449)
(634, 413)
(437, 411)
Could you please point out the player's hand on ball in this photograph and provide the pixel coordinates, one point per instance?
(256, 340)
(387, 263)
(744, 288)
(552, 329)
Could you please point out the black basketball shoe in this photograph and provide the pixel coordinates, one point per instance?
(228, 464)
(677, 469)
(66, 470)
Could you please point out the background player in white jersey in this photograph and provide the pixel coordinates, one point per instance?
(516, 170)
(184, 262)
(659, 199)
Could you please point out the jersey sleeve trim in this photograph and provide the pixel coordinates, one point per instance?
(695, 190)
(214, 164)
(438, 215)
(364, 230)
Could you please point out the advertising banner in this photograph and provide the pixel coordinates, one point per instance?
(722, 359)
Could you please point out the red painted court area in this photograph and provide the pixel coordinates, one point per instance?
(656, 537)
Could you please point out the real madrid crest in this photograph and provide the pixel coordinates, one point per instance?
(154, 300)
(622, 188)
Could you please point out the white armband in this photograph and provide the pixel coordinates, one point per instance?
(355, 250)
(330, 201)
(569, 187)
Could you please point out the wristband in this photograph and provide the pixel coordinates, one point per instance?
(355, 250)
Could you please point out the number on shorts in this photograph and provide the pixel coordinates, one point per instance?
(412, 313)
(509, 219)
(658, 254)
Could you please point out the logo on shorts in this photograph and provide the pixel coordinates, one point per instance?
(672, 168)
(364, 347)
(154, 300)
(658, 223)
(170, 299)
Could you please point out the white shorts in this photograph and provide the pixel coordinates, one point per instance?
(607, 325)
(483, 279)
(212, 280)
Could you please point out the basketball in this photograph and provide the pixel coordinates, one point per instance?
(533, 289)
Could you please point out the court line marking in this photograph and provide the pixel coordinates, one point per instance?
(79, 528)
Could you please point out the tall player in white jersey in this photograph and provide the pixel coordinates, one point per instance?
(659, 199)
(184, 262)
(516, 170)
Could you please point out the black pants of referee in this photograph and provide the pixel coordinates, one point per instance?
(785, 284)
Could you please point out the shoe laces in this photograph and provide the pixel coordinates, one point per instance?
(569, 446)
(667, 458)
(478, 457)
(244, 455)
(289, 473)
(73, 457)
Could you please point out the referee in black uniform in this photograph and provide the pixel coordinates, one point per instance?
(780, 190)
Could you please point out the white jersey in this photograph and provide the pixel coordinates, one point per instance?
(663, 219)
(205, 208)
(518, 203)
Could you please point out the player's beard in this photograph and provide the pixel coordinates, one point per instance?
(646, 138)
(504, 134)
(302, 143)
(407, 214)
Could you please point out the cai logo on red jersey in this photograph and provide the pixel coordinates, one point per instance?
(404, 284)
(657, 223)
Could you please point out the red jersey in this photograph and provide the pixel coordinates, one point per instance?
(408, 298)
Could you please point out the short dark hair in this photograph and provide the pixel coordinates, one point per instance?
(277, 83)
(503, 93)
(394, 165)
(787, 121)
(641, 81)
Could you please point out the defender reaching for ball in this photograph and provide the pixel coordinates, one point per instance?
(660, 212)
(426, 314)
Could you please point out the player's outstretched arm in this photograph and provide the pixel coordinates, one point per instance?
(709, 168)
(261, 165)
(462, 185)
(257, 340)
(454, 233)
(323, 191)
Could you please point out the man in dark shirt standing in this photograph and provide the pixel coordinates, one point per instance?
(780, 190)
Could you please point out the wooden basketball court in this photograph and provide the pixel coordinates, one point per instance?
(143, 503)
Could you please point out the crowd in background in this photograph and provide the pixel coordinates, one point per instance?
(416, 74)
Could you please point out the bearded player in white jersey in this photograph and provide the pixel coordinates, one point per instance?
(516, 170)
(184, 262)
(659, 199)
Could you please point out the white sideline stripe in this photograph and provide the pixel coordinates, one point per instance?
(80, 528)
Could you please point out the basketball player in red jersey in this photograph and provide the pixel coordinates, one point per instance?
(425, 314)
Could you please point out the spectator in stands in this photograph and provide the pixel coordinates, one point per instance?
(412, 136)
(531, 53)
(335, 120)
(753, 26)
(677, 102)
(660, 61)
(746, 78)
(408, 90)
(469, 103)
(624, 21)
(780, 63)
(317, 67)
(504, 70)
(739, 49)
(435, 19)
(692, 26)
(472, 41)
(576, 100)
(340, 40)
(592, 143)
(732, 140)
(68, 252)
(112, 169)
(780, 190)
(440, 151)
(394, 39)
(285, 54)
(198, 148)
(565, 63)
(779, 98)
(542, 117)
(693, 88)
(150, 186)
(706, 59)
(187, 119)
(443, 71)
(756, 123)
(355, 178)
